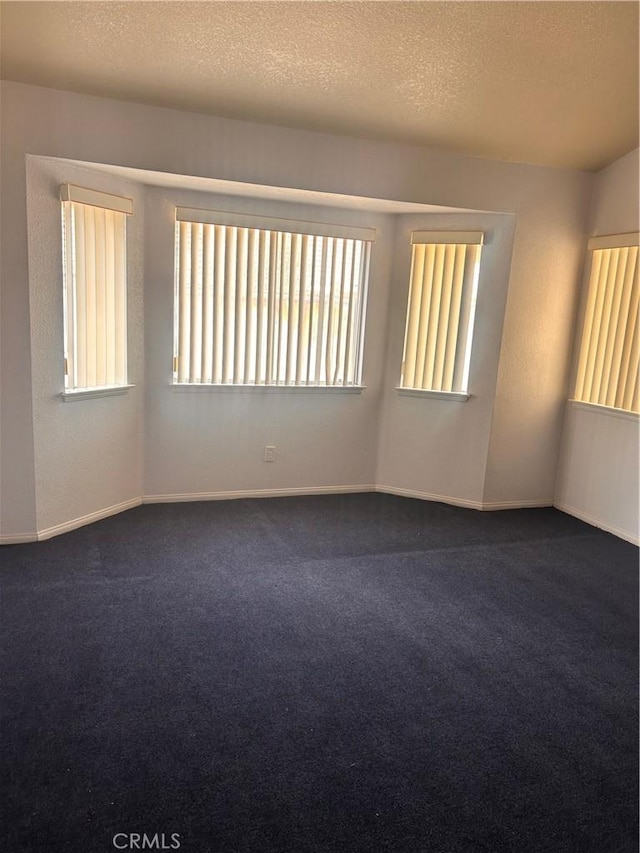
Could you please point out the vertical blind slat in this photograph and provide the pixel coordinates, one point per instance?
(240, 297)
(596, 264)
(271, 311)
(292, 297)
(229, 304)
(121, 299)
(592, 352)
(362, 309)
(625, 376)
(468, 315)
(90, 267)
(219, 266)
(206, 367)
(195, 317)
(424, 307)
(260, 342)
(322, 295)
(81, 297)
(110, 308)
(346, 378)
(454, 322)
(302, 334)
(416, 278)
(340, 299)
(184, 288)
(250, 307)
(330, 312)
(312, 308)
(606, 386)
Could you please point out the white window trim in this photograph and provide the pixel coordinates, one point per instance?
(96, 198)
(274, 223)
(611, 411)
(202, 387)
(90, 393)
(614, 241)
(454, 396)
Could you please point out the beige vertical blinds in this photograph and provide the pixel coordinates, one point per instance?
(440, 312)
(610, 347)
(256, 306)
(95, 294)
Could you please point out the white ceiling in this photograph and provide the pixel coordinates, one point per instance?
(554, 83)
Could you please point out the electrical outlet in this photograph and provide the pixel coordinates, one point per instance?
(270, 453)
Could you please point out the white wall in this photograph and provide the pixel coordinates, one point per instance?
(438, 448)
(87, 453)
(549, 207)
(202, 442)
(599, 466)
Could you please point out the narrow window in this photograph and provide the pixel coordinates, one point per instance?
(610, 343)
(94, 287)
(440, 312)
(268, 303)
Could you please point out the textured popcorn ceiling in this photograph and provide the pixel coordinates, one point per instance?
(538, 82)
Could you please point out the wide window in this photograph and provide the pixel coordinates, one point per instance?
(268, 302)
(440, 313)
(610, 345)
(95, 288)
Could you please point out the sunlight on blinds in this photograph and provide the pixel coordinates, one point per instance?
(266, 307)
(94, 261)
(610, 348)
(440, 312)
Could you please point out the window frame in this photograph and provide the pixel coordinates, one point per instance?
(468, 285)
(106, 287)
(585, 325)
(289, 228)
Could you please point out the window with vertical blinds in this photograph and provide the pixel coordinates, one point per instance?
(610, 345)
(268, 302)
(94, 287)
(440, 312)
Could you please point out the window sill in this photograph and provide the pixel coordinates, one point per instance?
(266, 389)
(605, 410)
(90, 393)
(454, 396)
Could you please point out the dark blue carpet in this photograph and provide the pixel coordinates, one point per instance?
(343, 673)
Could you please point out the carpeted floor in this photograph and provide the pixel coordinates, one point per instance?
(344, 674)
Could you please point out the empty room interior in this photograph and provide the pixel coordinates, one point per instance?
(319, 426)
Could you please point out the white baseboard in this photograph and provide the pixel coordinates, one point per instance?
(73, 524)
(463, 502)
(66, 526)
(428, 496)
(489, 506)
(597, 522)
(256, 493)
(18, 538)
